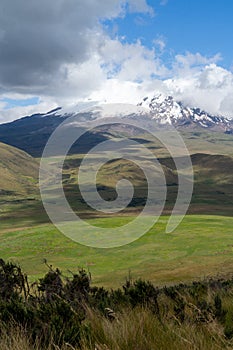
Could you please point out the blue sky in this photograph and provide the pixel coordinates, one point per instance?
(61, 53)
(185, 25)
(11, 103)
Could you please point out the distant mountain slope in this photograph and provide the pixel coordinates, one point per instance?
(31, 133)
(19, 172)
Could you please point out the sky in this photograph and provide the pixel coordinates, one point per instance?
(63, 52)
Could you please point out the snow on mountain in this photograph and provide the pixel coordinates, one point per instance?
(100, 110)
(161, 108)
(165, 110)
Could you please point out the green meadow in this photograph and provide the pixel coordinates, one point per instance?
(200, 247)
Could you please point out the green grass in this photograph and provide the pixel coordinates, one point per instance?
(200, 246)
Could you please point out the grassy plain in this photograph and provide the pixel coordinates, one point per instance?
(201, 246)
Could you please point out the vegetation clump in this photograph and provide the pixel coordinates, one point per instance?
(60, 312)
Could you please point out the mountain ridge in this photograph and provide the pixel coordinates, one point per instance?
(166, 110)
(31, 133)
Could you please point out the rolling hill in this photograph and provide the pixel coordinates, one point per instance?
(19, 173)
(213, 183)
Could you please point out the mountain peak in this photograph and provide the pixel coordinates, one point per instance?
(166, 110)
(163, 107)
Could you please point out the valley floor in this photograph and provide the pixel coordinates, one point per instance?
(201, 246)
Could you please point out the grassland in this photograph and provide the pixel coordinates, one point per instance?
(201, 246)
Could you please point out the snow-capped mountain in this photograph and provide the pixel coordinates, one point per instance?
(32, 132)
(165, 110)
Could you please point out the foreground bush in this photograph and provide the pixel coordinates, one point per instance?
(61, 313)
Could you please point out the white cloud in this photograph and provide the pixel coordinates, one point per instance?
(209, 87)
(190, 59)
(188, 64)
(133, 62)
(160, 44)
(114, 90)
(140, 6)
